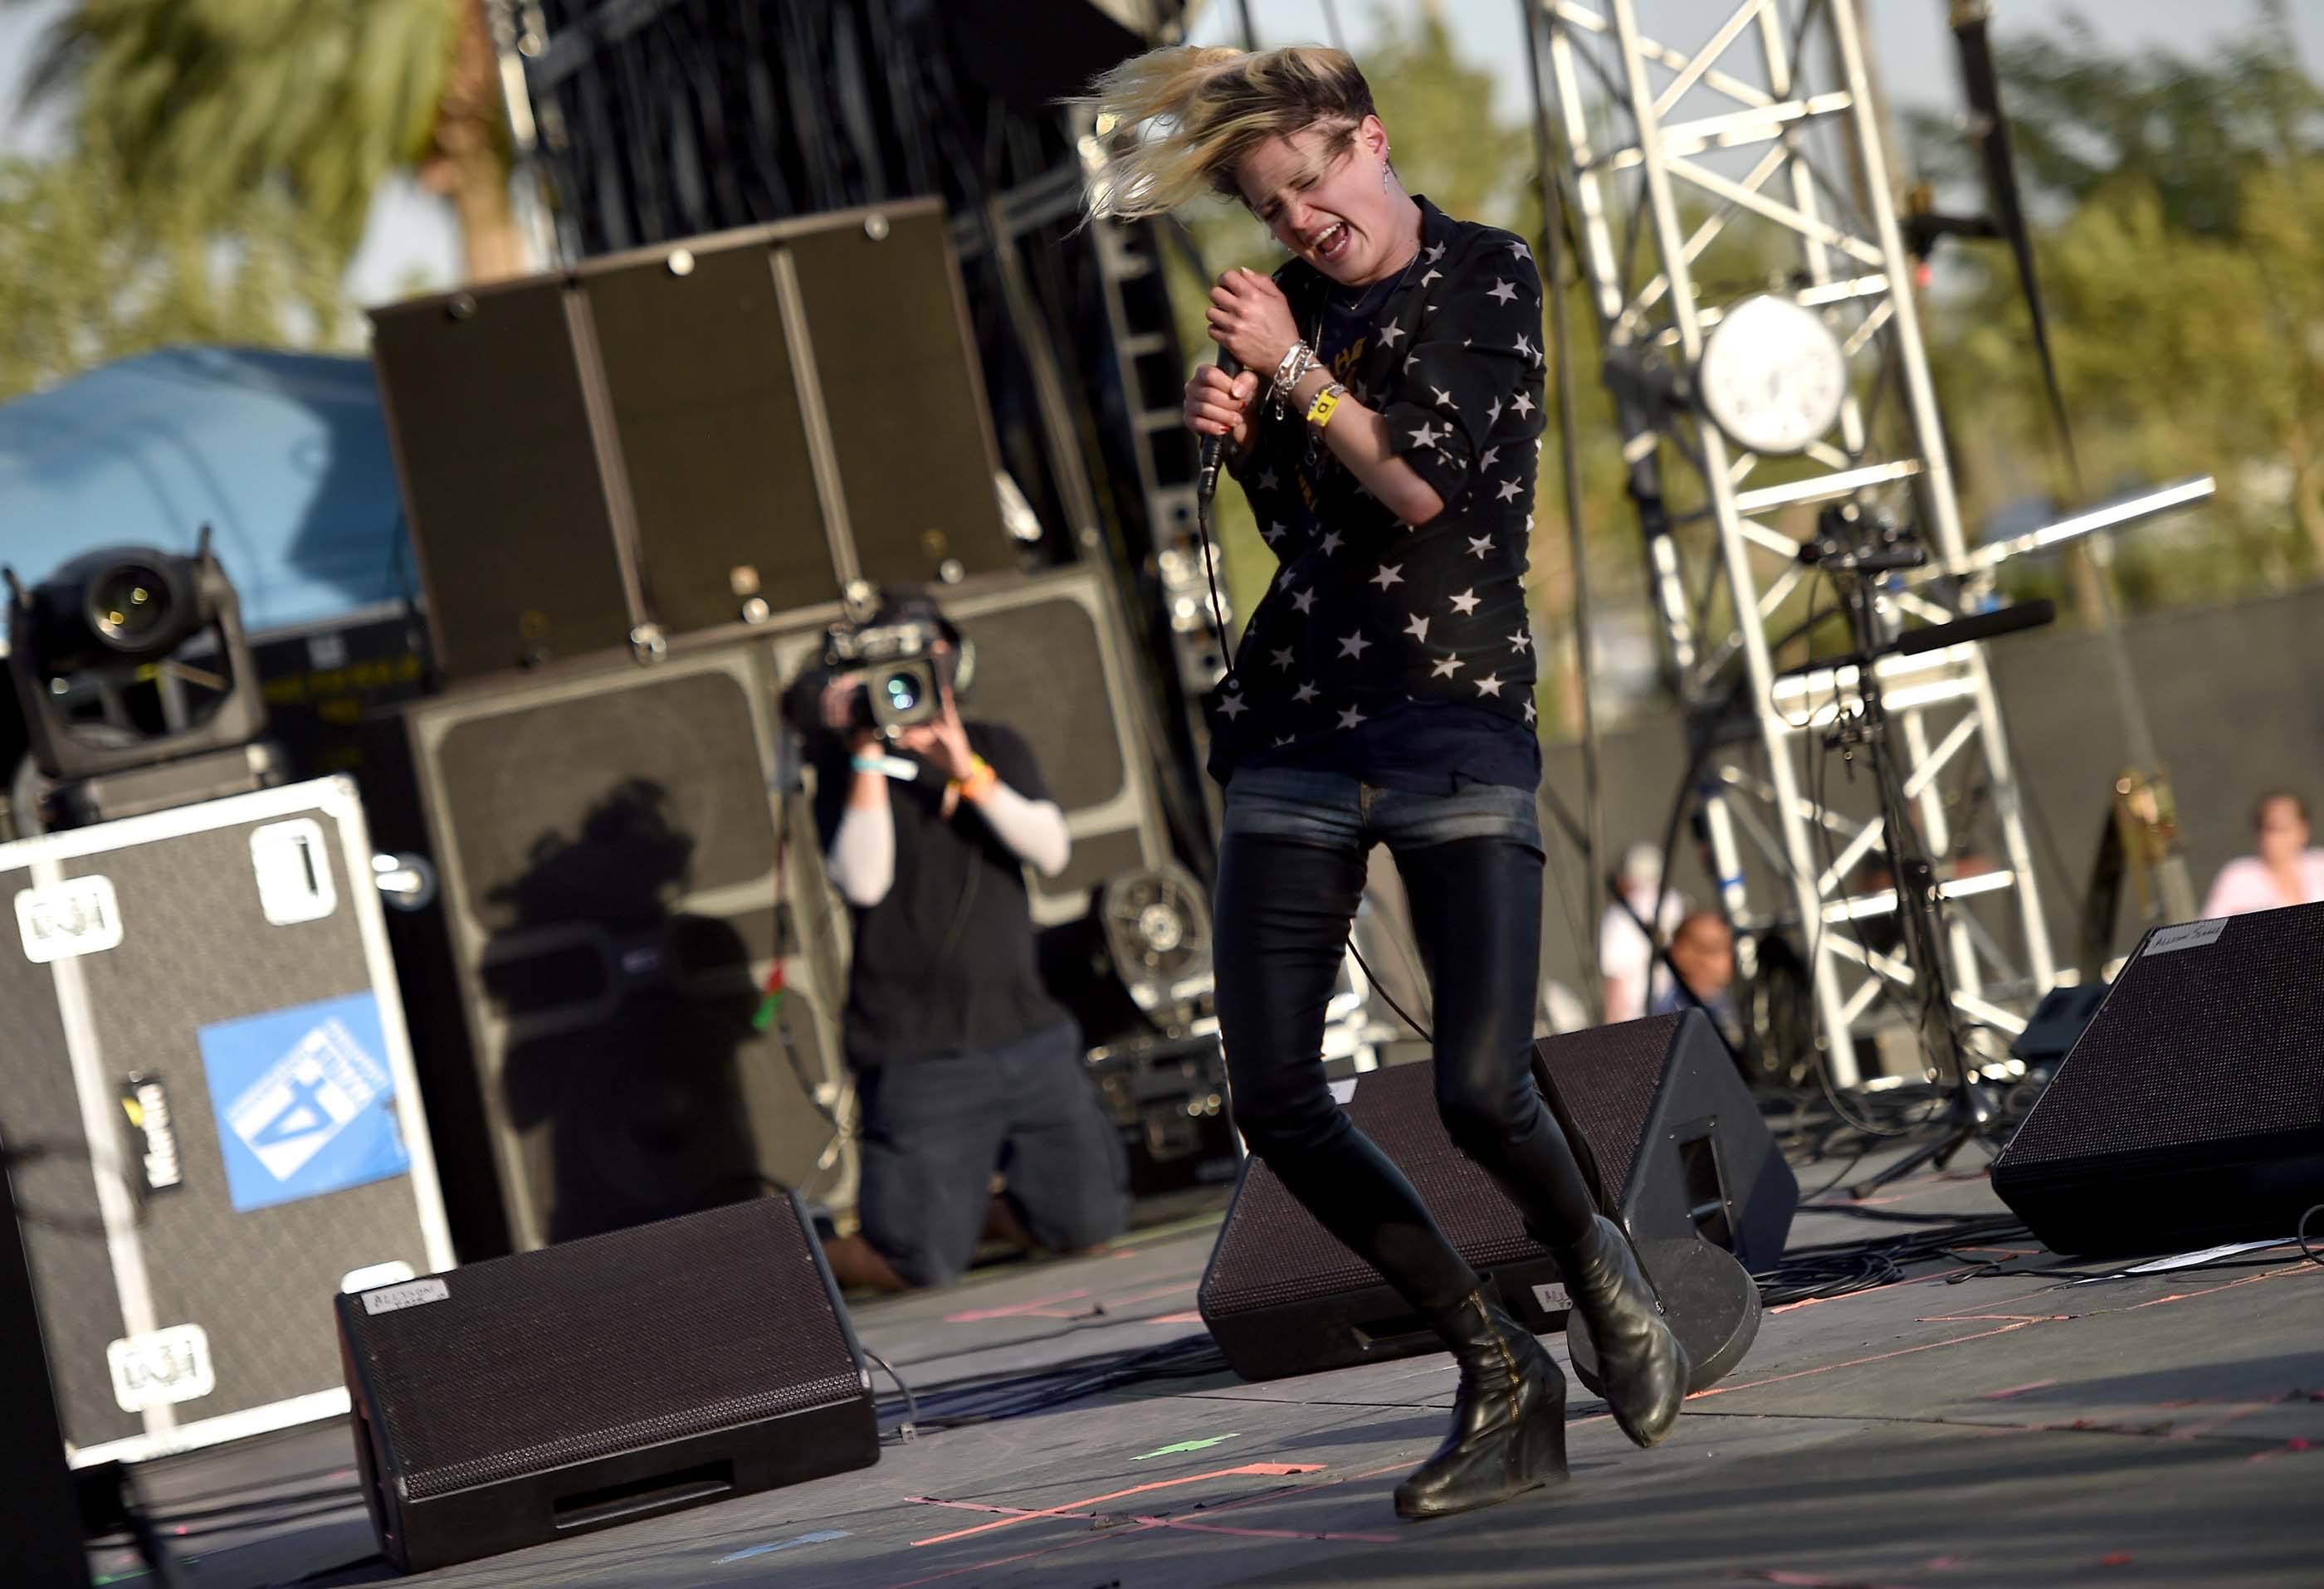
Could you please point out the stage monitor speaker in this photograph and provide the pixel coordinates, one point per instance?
(1054, 664)
(720, 430)
(540, 1397)
(2191, 1109)
(504, 486)
(611, 906)
(210, 1111)
(1662, 1122)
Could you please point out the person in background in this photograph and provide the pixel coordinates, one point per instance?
(2286, 871)
(1626, 955)
(964, 1066)
(1702, 947)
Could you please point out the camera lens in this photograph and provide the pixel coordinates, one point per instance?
(129, 603)
(902, 691)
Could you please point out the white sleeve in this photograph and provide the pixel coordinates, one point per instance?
(862, 858)
(1033, 829)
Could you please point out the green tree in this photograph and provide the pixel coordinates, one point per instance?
(93, 269)
(213, 99)
(2180, 257)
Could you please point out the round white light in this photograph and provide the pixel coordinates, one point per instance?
(1773, 376)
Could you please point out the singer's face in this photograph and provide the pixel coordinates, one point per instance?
(1333, 210)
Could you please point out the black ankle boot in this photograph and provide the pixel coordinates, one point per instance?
(1640, 1361)
(1509, 1418)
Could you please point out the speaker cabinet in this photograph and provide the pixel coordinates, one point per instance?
(549, 1394)
(612, 910)
(668, 440)
(2192, 1108)
(505, 481)
(1664, 1126)
(1054, 664)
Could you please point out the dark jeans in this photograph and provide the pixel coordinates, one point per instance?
(1290, 874)
(935, 1130)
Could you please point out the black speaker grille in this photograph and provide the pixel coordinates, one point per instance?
(601, 1346)
(1605, 1079)
(1272, 1250)
(1040, 670)
(2203, 1043)
(603, 804)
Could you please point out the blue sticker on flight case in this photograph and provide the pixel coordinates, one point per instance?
(304, 1100)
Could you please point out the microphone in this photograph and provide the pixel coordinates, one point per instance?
(1206, 484)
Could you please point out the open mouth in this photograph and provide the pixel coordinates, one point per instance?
(1333, 243)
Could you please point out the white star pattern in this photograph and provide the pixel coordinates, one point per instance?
(1485, 459)
(1480, 546)
(1432, 276)
(1526, 346)
(1521, 641)
(1493, 414)
(1354, 645)
(1231, 707)
(1444, 398)
(1436, 254)
(1389, 333)
(1466, 602)
(1266, 479)
(1327, 545)
(1301, 601)
(1274, 531)
(1410, 359)
(1426, 437)
(1417, 629)
(1504, 291)
(1529, 712)
(1305, 692)
(1522, 403)
(1283, 658)
(1283, 740)
(1350, 717)
(1490, 685)
(1446, 666)
(1509, 491)
(1520, 250)
(1388, 575)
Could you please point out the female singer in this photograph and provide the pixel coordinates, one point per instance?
(1384, 426)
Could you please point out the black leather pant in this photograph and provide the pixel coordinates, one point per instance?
(1283, 913)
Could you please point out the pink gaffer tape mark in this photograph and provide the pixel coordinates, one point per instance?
(2017, 1390)
(1145, 1522)
(1261, 1469)
(1015, 1309)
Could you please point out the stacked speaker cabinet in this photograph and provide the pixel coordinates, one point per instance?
(1054, 664)
(208, 1111)
(591, 987)
(664, 441)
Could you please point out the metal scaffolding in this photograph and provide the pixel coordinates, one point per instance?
(1692, 175)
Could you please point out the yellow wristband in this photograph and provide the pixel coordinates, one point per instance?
(1319, 412)
(979, 780)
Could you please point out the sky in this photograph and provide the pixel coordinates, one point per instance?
(409, 245)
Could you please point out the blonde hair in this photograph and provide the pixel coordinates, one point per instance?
(1174, 123)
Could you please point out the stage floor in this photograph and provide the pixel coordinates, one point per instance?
(2167, 1429)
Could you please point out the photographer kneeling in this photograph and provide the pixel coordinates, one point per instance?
(964, 1065)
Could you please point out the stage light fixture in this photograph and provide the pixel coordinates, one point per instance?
(86, 640)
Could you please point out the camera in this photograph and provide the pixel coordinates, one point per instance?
(904, 676)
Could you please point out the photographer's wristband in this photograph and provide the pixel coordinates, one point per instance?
(980, 781)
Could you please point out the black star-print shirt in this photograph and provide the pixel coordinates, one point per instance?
(1372, 626)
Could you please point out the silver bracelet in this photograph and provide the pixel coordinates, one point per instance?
(1296, 363)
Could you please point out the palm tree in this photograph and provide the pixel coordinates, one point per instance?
(320, 99)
